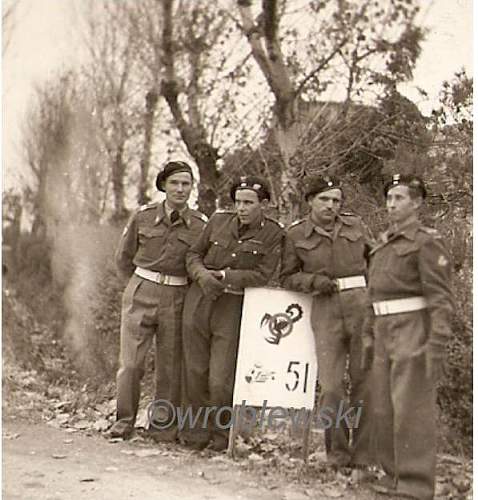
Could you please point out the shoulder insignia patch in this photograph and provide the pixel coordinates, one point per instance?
(431, 231)
(383, 237)
(274, 221)
(200, 215)
(295, 223)
(223, 211)
(145, 207)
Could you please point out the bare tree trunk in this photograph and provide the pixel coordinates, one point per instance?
(151, 103)
(263, 37)
(266, 50)
(203, 153)
(118, 172)
(288, 140)
(39, 203)
(192, 133)
(16, 230)
(206, 157)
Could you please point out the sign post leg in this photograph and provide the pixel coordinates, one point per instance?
(233, 430)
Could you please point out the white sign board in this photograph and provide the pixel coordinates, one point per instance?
(276, 358)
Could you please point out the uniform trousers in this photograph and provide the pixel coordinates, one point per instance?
(210, 339)
(404, 401)
(337, 325)
(149, 310)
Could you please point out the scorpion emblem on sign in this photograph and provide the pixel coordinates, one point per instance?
(280, 324)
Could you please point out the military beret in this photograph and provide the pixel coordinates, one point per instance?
(411, 181)
(318, 184)
(172, 167)
(254, 183)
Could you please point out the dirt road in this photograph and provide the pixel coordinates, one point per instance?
(44, 463)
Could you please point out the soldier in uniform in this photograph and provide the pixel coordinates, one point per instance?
(325, 255)
(238, 249)
(405, 336)
(152, 255)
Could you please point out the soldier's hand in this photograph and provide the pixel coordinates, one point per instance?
(323, 285)
(219, 275)
(435, 365)
(210, 285)
(366, 358)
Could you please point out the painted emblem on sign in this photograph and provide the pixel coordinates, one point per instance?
(281, 324)
(258, 374)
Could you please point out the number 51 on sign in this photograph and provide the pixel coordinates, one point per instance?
(276, 357)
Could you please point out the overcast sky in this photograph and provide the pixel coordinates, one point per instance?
(44, 38)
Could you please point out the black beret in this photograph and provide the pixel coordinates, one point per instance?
(318, 184)
(172, 167)
(254, 183)
(411, 181)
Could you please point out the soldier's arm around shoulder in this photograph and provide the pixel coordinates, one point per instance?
(291, 275)
(199, 221)
(127, 247)
(435, 273)
(197, 251)
(199, 217)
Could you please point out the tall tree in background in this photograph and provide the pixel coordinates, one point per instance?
(184, 48)
(46, 141)
(112, 86)
(355, 46)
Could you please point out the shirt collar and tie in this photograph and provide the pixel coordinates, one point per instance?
(173, 215)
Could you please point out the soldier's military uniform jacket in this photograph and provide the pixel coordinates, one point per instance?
(152, 242)
(336, 319)
(414, 262)
(249, 259)
(310, 250)
(248, 256)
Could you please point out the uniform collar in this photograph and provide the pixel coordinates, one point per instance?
(310, 227)
(345, 220)
(409, 231)
(164, 211)
(251, 231)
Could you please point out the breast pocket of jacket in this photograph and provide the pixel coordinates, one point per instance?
(250, 255)
(405, 261)
(353, 245)
(309, 251)
(186, 239)
(148, 235)
(218, 251)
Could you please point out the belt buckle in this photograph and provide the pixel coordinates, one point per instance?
(380, 309)
(161, 279)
